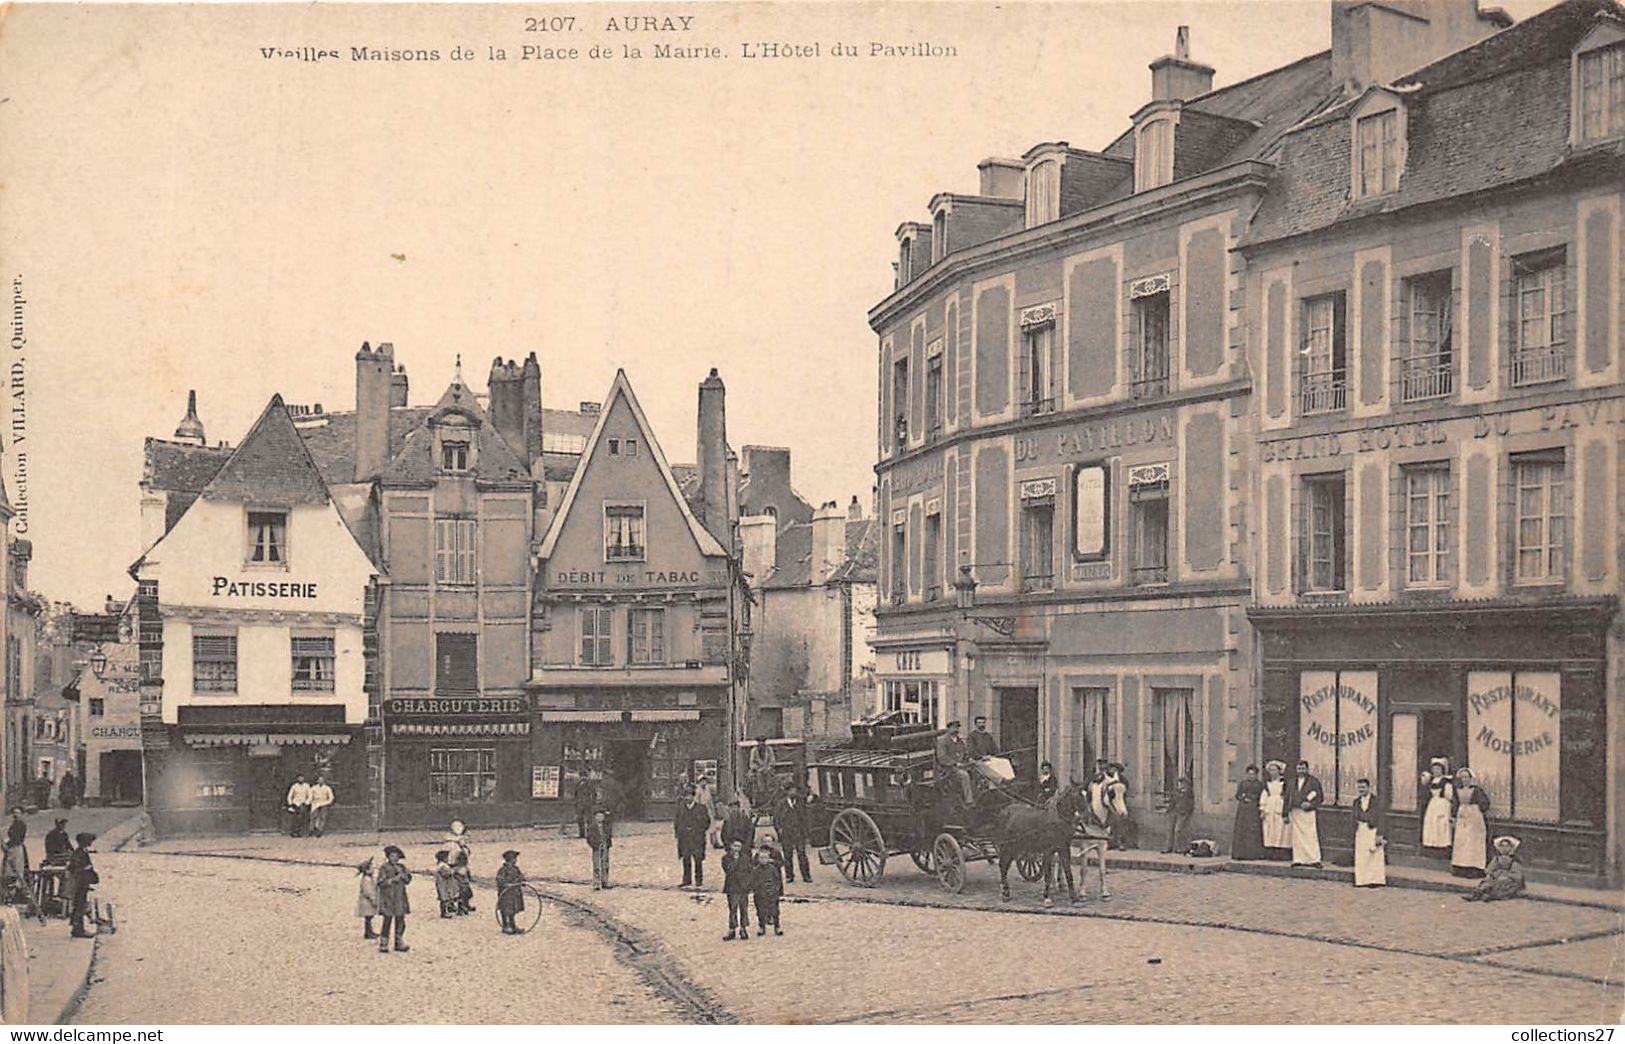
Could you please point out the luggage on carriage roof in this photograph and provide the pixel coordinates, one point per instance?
(891, 730)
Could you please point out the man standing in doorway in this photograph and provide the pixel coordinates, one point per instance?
(298, 806)
(981, 742)
(1304, 794)
(321, 799)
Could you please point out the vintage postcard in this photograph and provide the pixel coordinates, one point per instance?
(1030, 513)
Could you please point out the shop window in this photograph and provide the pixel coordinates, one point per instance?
(462, 775)
(623, 533)
(933, 556)
(1151, 345)
(1038, 544)
(1323, 380)
(1337, 729)
(267, 537)
(646, 633)
(1321, 544)
(917, 700)
(595, 636)
(671, 760)
(1148, 526)
(1094, 711)
(1514, 740)
(214, 662)
(313, 664)
(1037, 384)
(1427, 361)
(455, 550)
(1427, 524)
(1539, 313)
(1601, 90)
(1540, 517)
(1175, 734)
(457, 665)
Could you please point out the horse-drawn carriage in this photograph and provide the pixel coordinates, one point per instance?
(881, 796)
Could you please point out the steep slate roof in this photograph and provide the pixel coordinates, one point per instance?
(862, 552)
(493, 458)
(1488, 116)
(708, 544)
(271, 465)
(792, 556)
(331, 439)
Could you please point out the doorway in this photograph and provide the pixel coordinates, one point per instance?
(1018, 731)
(121, 777)
(627, 762)
(268, 793)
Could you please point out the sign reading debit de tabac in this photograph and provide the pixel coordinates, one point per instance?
(634, 576)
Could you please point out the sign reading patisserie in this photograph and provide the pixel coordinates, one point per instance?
(229, 588)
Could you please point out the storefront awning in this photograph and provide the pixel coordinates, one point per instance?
(687, 714)
(261, 739)
(482, 728)
(581, 715)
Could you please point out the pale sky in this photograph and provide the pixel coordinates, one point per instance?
(185, 213)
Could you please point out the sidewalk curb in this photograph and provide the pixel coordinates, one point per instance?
(116, 839)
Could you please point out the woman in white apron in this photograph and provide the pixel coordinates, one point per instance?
(1370, 862)
(1436, 813)
(1272, 814)
(1470, 853)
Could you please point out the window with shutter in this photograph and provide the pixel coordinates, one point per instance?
(595, 637)
(455, 560)
(214, 663)
(313, 662)
(456, 663)
(646, 633)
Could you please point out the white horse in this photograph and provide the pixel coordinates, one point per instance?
(1096, 839)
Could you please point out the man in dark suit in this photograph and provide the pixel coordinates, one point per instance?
(586, 795)
(738, 826)
(981, 742)
(952, 758)
(1303, 796)
(790, 820)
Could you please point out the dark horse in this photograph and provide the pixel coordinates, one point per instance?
(1044, 831)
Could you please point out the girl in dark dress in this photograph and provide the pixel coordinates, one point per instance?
(510, 897)
(1247, 839)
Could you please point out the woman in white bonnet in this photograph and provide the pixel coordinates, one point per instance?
(1436, 814)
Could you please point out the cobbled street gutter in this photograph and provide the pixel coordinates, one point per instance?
(644, 955)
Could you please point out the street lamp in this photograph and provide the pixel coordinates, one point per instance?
(98, 662)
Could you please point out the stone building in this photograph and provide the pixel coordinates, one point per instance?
(1436, 275)
(23, 610)
(106, 687)
(813, 582)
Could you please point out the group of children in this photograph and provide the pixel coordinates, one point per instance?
(382, 893)
(746, 876)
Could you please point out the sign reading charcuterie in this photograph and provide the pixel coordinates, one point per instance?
(437, 705)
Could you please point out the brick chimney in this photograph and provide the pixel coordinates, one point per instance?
(1378, 43)
(507, 404)
(712, 457)
(397, 387)
(530, 381)
(374, 374)
(828, 541)
(854, 510)
(1174, 77)
(758, 535)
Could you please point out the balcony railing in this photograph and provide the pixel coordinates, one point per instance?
(1152, 378)
(1148, 574)
(1324, 392)
(1539, 365)
(1426, 377)
(1037, 407)
(933, 593)
(899, 596)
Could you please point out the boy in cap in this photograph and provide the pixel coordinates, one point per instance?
(446, 888)
(366, 900)
(737, 875)
(393, 905)
(510, 896)
(80, 876)
(767, 886)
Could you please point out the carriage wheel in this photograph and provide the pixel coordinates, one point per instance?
(860, 851)
(949, 860)
(922, 858)
(1029, 866)
(531, 915)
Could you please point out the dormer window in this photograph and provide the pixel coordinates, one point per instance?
(905, 258)
(1154, 155)
(267, 537)
(453, 456)
(1376, 154)
(454, 440)
(1043, 193)
(1600, 93)
(939, 235)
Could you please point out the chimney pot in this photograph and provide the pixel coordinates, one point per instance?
(1175, 77)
